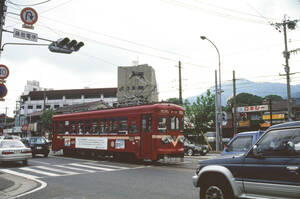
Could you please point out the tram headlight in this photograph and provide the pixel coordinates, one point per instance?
(181, 139)
(166, 140)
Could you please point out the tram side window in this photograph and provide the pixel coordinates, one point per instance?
(133, 128)
(113, 125)
(162, 125)
(123, 125)
(87, 127)
(146, 123)
(67, 127)
(95, 126)
(80, 125)
(60, 129)
(72, 127)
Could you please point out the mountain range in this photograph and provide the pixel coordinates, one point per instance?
(261, 89)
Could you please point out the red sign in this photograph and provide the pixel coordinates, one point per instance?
(4, 72)
(29, 16)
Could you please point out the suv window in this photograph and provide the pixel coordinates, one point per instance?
(280, 143)
(241, 143)
(37, 141)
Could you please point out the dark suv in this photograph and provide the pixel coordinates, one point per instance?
(38, 145)
(270, 169)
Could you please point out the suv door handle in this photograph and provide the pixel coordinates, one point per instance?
(292, 168)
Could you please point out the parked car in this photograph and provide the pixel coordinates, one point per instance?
(38, 145)
(270, 169)
(211, 138)
(241, 143)
(10, 137)
(192, 149)
(14, 150)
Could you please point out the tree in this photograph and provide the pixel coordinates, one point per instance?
(46, 119)
(274, 97)
(244, 99)
(201, 112)
(173, 100)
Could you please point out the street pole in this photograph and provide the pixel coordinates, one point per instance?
(2, 12)
(234, 105)
(218, 93)
(217, 112)
(180, 84)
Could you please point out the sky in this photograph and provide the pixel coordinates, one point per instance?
(159, 33)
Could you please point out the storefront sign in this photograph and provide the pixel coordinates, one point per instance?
(274, 117)
(256, 108)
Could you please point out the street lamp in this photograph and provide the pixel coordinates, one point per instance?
(218, 100)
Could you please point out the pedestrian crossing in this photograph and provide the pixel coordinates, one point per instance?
(35, 172)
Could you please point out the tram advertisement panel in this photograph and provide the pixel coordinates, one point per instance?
(91, 143)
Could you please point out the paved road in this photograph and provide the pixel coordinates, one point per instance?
(72, 178)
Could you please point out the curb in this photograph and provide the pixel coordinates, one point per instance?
(21, 185)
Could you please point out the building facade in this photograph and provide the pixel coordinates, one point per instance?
(38, 99)
(137, 84)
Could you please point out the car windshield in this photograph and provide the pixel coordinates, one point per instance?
(37, 141)
(11, 144)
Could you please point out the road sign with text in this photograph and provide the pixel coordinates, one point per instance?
(21, 34)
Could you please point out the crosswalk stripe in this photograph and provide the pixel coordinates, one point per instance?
(109, 166)
(91, 167)
(56, 170)
(19, 174)
(73, 168)
(39, 171)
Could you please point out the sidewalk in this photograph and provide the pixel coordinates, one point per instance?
(12, 185)
(5, 183)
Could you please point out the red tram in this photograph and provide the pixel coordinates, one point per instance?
(145, 132)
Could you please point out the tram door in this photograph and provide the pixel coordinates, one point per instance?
(146, 136)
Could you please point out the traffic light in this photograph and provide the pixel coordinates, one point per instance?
(64, 45)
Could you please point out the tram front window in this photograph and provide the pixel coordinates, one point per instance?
(162, 124)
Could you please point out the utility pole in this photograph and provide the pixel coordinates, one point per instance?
(290, 24)
(2, 19)
(234, 105)
(180, 83)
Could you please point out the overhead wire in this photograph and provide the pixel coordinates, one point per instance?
(35, 4)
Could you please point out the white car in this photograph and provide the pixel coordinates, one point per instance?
(14, 150)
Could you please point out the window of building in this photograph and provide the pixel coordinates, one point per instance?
(140, 87)
(56, 106)
(39, 106)
(30, 107)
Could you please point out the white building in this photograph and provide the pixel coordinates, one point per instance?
(35, 98)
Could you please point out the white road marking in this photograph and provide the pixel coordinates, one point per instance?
(56, 170)
(19, 174)
(39, 162)
(39, 171)
(104, 165)
(91, 167)
(75, 168)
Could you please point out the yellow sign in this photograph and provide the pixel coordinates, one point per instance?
(274, 117)
(265, 125)
(244, 123)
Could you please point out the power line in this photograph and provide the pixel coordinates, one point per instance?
(59, 5)
(35, 4)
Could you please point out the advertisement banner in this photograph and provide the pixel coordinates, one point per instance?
(91, 143)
